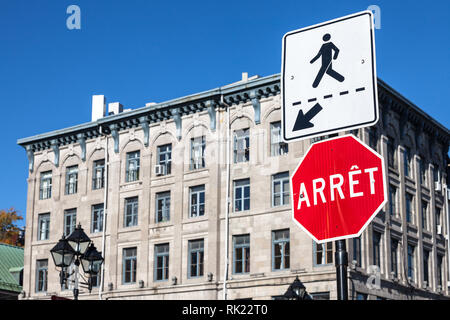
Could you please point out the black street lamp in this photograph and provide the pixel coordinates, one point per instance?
(76, 248)
(296, 291)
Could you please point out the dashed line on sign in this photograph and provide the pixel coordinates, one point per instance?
(328, 96)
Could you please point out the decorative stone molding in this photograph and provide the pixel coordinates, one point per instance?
(30, 155)
(55, 148)
(82, 142)
(256, 105)
(115, 135)
(145, 126)
(177, 119)
(212, 114)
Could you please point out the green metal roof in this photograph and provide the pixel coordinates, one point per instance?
(11, 260)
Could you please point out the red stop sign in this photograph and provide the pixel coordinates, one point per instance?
(337, 189)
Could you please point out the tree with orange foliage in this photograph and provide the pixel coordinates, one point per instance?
(9, 231)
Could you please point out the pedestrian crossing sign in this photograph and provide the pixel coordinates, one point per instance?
(328, 78)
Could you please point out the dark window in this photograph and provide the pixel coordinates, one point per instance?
(409, 208)
(391, 151)
(411, 262)
(357, 251)
(426, 266)
(376, 248)
(394, 257)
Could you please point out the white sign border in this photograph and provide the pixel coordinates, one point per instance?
(368, 220)
(374, 80)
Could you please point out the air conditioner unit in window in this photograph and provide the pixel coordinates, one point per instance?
(439, 229)
(437, 186)
(160, 170)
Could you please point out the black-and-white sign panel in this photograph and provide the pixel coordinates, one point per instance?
(328, 78)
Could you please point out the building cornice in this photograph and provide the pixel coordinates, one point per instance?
(229, 95)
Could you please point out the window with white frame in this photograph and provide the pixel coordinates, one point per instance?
(373, 138)
(323, 253)
(392, 153)
(197, 201)
(357, 251)
(280, 250)
(376, 246)
(165, 158)
(163, 206)
(98, 174)
(71, 180)
(440, 271)
(44, 226)
(70, 221)
(131, 212)
(426, 267)
(97, 218)
(196, 256)
(242, 145)
(45, 190)
(133, 164)
(277, 145)
(438, 221)
(161, 262)
(241, 195)
(198, 153)
(280, 189)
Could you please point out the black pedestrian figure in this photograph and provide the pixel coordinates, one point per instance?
(326, 51)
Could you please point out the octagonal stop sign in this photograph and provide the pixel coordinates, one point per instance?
(338, 188)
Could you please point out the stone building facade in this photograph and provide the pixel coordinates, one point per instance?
(166, 191)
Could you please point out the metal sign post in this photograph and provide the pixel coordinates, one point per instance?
(341, 258)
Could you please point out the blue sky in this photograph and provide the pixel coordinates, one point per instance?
(151, 51)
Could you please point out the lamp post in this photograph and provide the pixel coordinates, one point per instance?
(78, 249)
(296, 291)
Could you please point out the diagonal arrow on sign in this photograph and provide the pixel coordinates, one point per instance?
(303, 120)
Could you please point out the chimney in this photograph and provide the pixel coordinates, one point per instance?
(98, 107)
(244, 76)
(115, 108)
